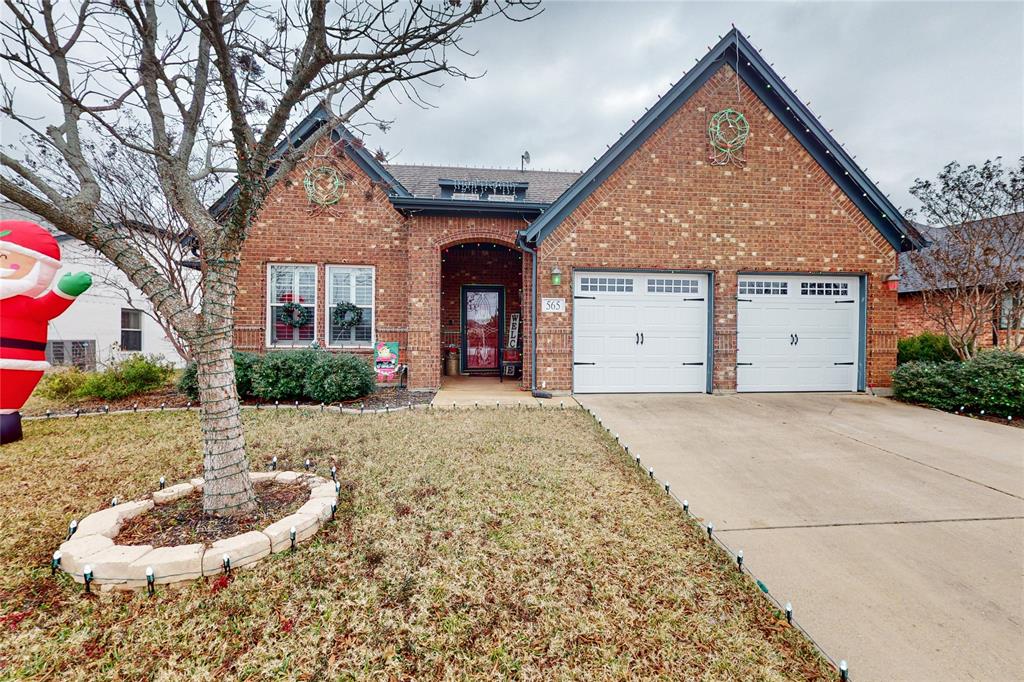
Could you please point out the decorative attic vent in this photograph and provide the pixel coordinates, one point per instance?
(493, 190)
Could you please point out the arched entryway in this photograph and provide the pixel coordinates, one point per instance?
(481, 310)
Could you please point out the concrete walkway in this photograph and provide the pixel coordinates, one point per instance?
(897, 532)
(487, 391)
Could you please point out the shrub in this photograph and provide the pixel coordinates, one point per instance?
(993, 381)
(333, 378)
(188, 383)
(131, 376)
(281, 375)
(62, 384)
(925, 347)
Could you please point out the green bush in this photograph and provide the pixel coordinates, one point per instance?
(62, 384)
(333, 378)
(131, 376)
(281, 375)
(925, 347)
(188, 383)
(992, 382)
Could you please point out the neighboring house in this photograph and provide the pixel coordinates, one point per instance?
(664, 267)
(913, 319)
(109, 321)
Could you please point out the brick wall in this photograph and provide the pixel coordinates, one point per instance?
(913, 320)
(666, 207)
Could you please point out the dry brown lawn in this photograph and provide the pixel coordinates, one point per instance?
(476, 544)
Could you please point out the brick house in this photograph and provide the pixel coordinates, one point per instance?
(664, 267)
(913, 318)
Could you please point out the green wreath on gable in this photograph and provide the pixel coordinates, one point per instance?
(346, 315)
(294, 315)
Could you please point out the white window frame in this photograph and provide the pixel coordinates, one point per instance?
(131, 329)
(329, 304)
(268, 313)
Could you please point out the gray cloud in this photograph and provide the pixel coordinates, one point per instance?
(906, 87)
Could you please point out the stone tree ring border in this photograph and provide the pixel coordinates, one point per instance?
(91, 549)
(324, 185)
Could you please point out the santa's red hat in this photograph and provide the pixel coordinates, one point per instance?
(29, 239)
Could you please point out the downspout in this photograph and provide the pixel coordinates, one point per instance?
(521, 242)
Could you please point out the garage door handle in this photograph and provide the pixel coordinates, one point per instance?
(744, 364)
(693, 299)
(842, 363)
(637, 339)
(589, 298)
(792, 339)
(584, 363)
(745, 300)
(847, 300)
(692, 363)
(797, 339)
(641, 338)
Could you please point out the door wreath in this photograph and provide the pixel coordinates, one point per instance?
(346, 315)
(293, 315)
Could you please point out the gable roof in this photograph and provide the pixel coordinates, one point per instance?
(543, 187)
(310, 128)
(737, 51)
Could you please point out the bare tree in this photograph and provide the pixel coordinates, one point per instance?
(975, 262)
(204, 87)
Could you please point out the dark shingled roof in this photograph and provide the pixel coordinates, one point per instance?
(421, 181)
(910, 279)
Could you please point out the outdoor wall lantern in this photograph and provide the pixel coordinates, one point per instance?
(892, 282)
(556, 276)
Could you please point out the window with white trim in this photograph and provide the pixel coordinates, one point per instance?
(615, 284)
(1009, 303)
(756, 287)
(350, 285)
(131, 329)
(291, 325)
(672, 286)
(824, 288)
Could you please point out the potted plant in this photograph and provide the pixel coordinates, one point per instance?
(451, 360)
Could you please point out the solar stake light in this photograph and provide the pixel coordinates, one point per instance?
(162, 406)
(844, 671)
(163, 482)
(55, 563)
(334, 508)
(296, 404)
(667, 488)
(226, 563)
(711, 529)
(277, 404)
(273, 463)
(150, 581)
(113, 502)
(638, 460)
(497, 404)
(87, 575)
(739, 560)
(337, 487)
(686, 506)
(77, 412)
(135, 407)
(188, 405)
(72, 527)
(48, 415)
(291, 535)
(307, 464)
(106, 409)
(650, 472)
(789, 613)
(334, 473)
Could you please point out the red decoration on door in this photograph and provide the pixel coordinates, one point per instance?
(482, 335)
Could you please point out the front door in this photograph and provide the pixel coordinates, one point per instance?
(483, 311)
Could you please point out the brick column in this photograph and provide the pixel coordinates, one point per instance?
(424, 314)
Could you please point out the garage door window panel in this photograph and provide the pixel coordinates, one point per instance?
(824, 289)
(621, 285)
(672, 286)
(763, 288)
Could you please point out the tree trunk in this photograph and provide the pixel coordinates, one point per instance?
(227, 488)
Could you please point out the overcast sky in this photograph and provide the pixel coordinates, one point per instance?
(906, 87)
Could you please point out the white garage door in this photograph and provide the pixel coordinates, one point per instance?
(797, 333)
(639, 332)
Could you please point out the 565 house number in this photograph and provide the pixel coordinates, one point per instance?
(552, 305)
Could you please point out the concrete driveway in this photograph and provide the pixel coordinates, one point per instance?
(897, 532)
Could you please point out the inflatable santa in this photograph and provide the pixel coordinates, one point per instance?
(29, 258)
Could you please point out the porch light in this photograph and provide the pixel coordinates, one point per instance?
(556, 276)
(892, 282)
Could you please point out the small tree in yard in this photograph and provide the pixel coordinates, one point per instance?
(201, 88)
(973, 273)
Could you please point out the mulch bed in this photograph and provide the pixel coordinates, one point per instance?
(183, 522)
(388, 396)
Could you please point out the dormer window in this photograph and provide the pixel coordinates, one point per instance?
(483, 190)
